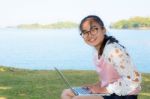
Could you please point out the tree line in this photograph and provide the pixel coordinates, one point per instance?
(57, 25)
(132, 23)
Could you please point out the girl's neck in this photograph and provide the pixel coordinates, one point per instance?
(98, 47)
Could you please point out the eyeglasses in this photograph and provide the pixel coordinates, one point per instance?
(92, 31)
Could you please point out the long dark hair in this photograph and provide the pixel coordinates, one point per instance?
(106, 38)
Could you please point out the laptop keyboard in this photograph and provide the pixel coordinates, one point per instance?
(81, 90)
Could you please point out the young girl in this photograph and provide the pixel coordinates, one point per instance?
(113, 64)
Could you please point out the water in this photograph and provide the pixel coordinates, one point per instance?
(65, 49)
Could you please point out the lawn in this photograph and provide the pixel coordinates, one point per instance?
(46, 84)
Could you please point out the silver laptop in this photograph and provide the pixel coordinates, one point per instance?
(78, 90)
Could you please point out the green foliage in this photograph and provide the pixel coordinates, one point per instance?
(47, 84)
(58, 25)
(132, 23)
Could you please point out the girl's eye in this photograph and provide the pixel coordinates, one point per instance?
(87, 32)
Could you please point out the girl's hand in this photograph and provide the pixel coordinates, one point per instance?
(96, 88)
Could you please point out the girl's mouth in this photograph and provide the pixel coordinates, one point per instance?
(92, 40)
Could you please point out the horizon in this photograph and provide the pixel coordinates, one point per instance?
(47, 11)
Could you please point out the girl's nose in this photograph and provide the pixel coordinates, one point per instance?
(90, 35)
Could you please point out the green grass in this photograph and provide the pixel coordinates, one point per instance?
(46, 84)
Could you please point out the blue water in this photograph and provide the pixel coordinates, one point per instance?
(65, 49)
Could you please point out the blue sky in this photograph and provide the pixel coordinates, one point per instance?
(14, 12)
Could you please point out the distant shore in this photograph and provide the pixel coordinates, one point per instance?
(58, 25)
(137, 22)
(132, 23)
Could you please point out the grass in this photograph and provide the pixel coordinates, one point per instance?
(46, 84)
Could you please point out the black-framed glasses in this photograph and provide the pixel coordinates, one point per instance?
(92, 31)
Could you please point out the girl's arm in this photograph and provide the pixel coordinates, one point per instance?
(130, 78)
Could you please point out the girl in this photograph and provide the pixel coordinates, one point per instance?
(114, 66)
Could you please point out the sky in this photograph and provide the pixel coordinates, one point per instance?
(14, 12)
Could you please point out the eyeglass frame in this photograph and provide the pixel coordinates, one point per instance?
(89, 32)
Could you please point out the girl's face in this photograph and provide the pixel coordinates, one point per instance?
(93, 33)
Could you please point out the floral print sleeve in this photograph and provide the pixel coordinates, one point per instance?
(129, 79)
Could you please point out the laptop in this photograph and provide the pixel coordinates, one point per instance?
(78, 91)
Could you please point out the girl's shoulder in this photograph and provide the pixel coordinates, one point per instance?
(110, 47)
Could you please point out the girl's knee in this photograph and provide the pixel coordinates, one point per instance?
(66, 93)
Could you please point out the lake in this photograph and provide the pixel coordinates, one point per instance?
(65, 49)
